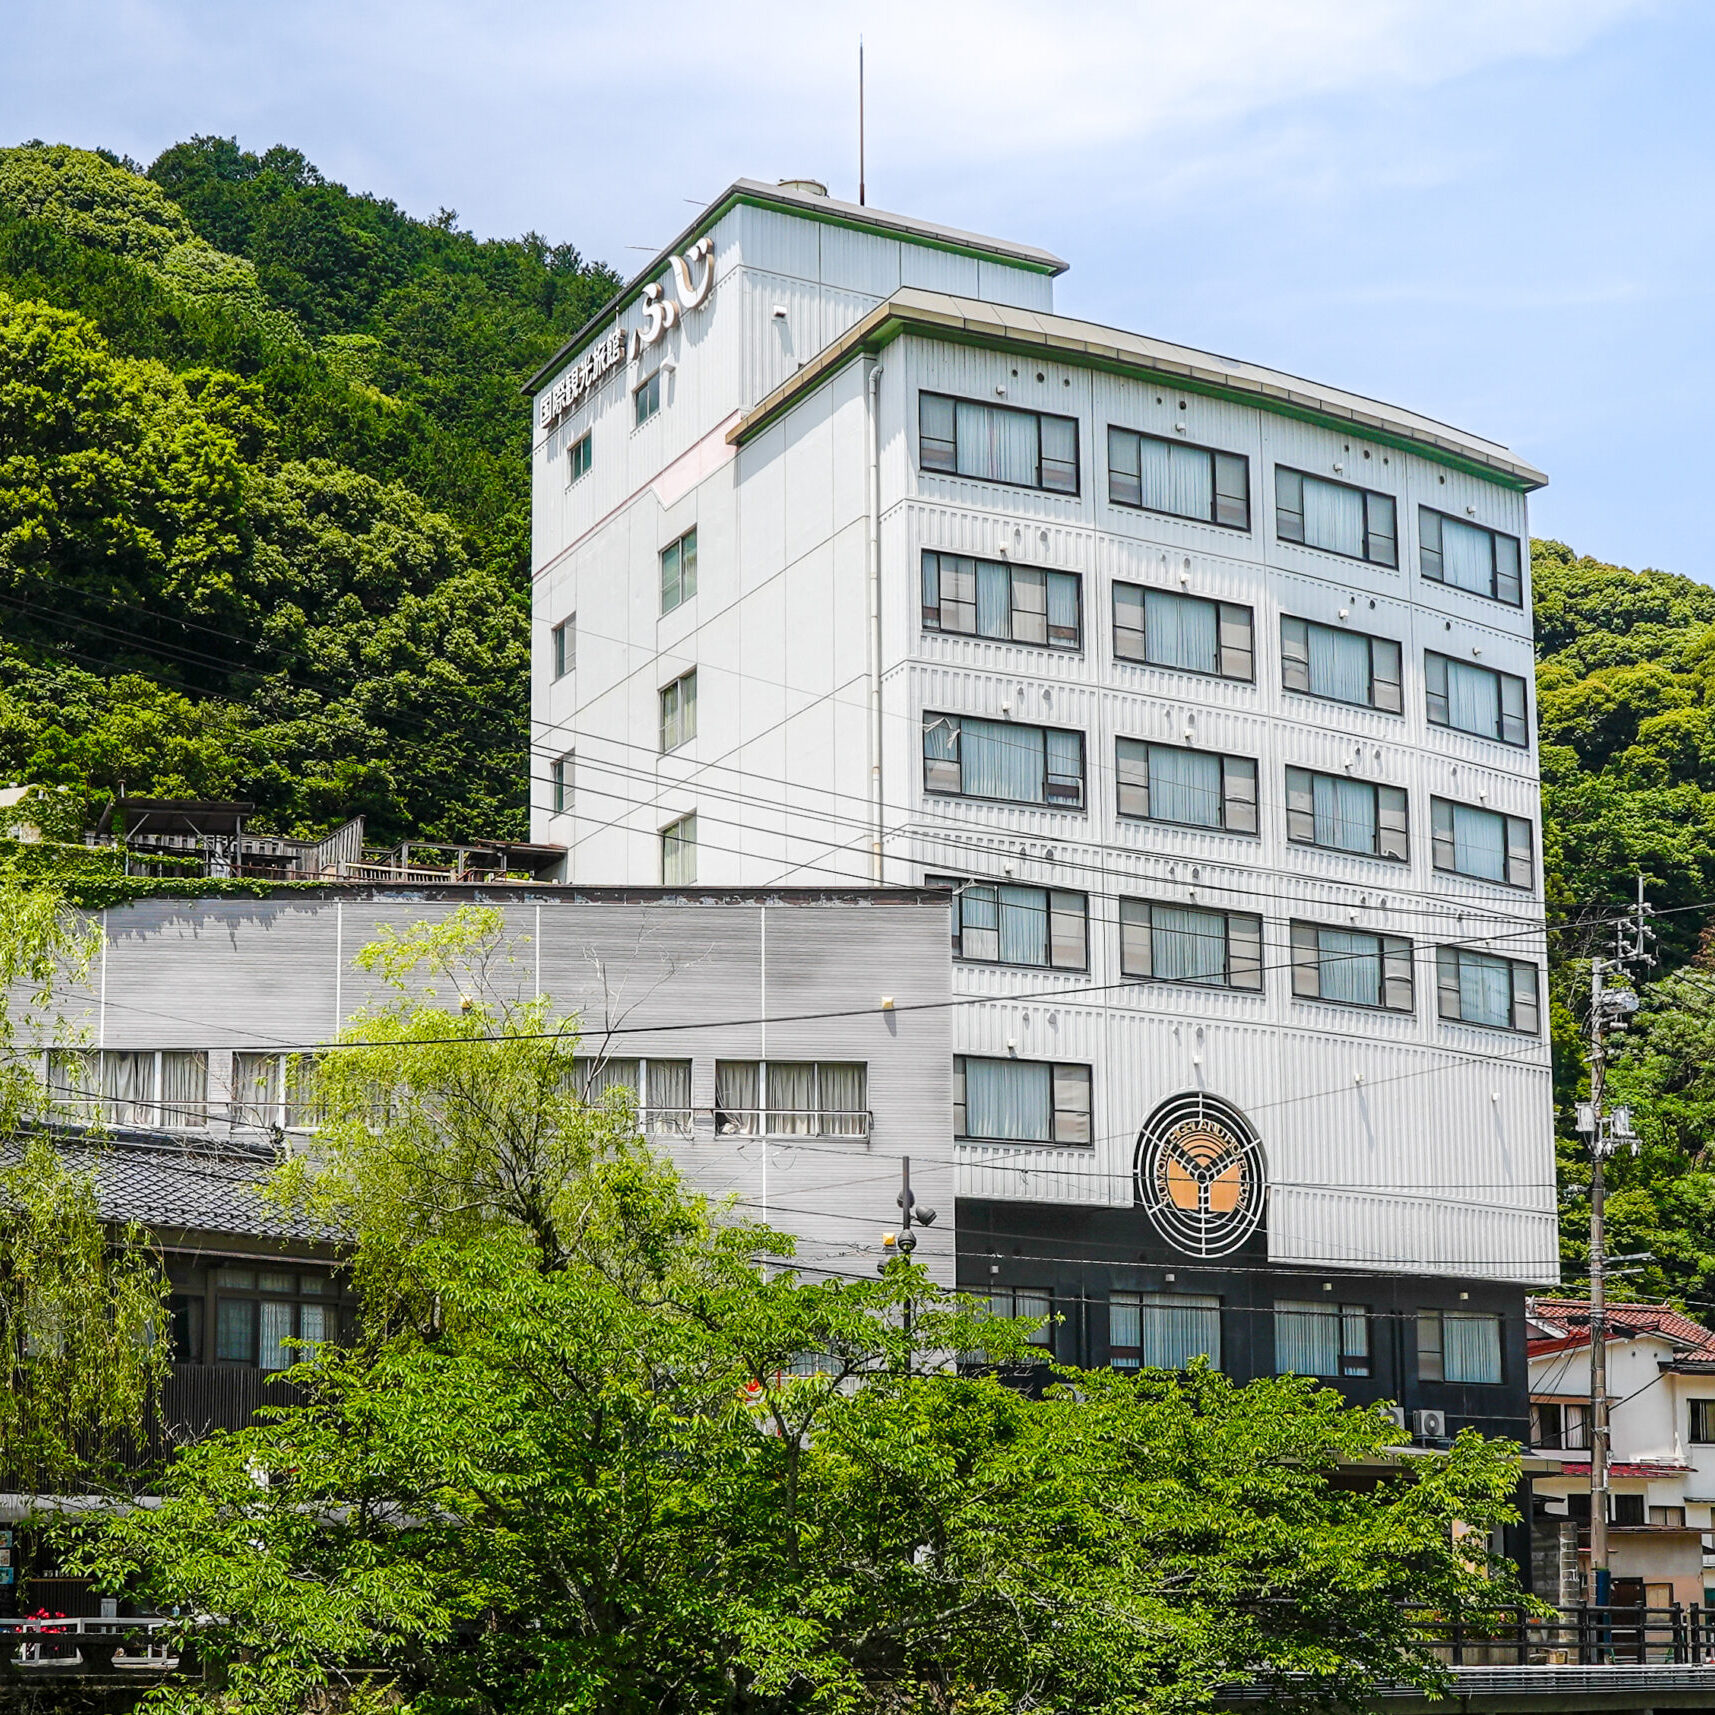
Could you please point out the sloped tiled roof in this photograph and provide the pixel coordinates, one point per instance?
(171, 1182)
(1568, 1323)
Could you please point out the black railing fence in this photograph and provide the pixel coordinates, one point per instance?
(1588, 1635)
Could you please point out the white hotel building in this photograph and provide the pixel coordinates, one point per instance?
(1203, 686)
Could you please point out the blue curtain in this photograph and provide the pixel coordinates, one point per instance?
(1062, 603)
(1473, 699)
(1184, 786)
(1180, 631)
(1351, 970)
(1479, 843)
(1485, 989)
(994, 600)
(1467, 558)
(1001, 760)
(1188, 945)
(1339, 664)
(1306, 1337)
(1023, 926)
(1009, 1099)
(1470, 1347)
(1333, 517)
(1174, 1328)
(1345, 812)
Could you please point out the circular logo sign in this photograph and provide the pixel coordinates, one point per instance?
(1200, 1175)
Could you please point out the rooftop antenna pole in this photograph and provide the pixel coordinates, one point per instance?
(860, 122)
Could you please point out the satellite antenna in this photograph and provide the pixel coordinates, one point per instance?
(860, 122)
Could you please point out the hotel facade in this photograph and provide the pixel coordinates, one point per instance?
(1204, 692)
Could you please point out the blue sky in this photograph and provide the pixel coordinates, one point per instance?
(1494, 211)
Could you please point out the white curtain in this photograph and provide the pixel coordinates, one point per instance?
(1009, 1099)
(1124, 1331)
(1184, 786)
(1345, 813)
(255, 1088)
(74, 1078)
(1339, 664)
(1306, 1337)
(1180, 631)
(1473, 699)
(1479, 843)
(1333, 517)
(1155, 478)
(1470, 1347)
(994, 600)
(184, 1087)
(1351, 968)
(1001, 760)
(1023, 926)
(1188, 945)
(1174, 1328)
(670, 1096)
(312, 1323)
(1485, 989)
(996, 444)
(1466, 556)
(843, 1095)
(128, 1088)
(737, 1098)
(1063, 606)
(276, 1328)
(596, 1078)
(791, 1099)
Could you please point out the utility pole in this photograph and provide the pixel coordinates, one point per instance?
(1609, 1008)
(904, 1242)
(862, 188)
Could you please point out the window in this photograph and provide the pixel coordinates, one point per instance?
(1669, 1518)
(1628, 1509)
(1335, 516)
(1312, 1339)
(157, 1089)
(185, 1320)
(1024, 1301)
(679, 571)
(1469, 557)
(1014, 604)
(995, 443)
(1185, 944)
(1005, 760)
(1020, 1101)
(1196, 788)
(274, 1090)
(1481, 843)
(997, 923)
(679, 852)
(647, 398)
(791, 1098)
(679, 711)
(1344, 666)
(1559, 1424)
(1188, 482)
(1703, 1421)
(1346, 815)
(1476, 699)
(560, 776)
(659, 1090)
(1457, 1346)
(1484, 988)
(1351, 966)
(258, 1310)
(1165, 629)
(580, 454)
(565, 646)
(1163, 1330)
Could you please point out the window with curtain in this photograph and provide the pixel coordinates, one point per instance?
(738, 1098)
(1346, 815)
(1483, 988)
(1469, 557)
(273, 1089)
(1020, 1101)
(999, 923)
(1163, 1330)
(1344, 666)
(260, 1314)
(1024, 1301)
(1351, 966)
(1187, 944)
(679, 571)
(997, 443)
(565, 646)
(1312, 1339)
(1337, 517)
(149, 1089)
(1476, 699)
(1012, 604)
(1197, 788)
(668, 1108)
(1166, 628)
(1458, 1346)
(679, 711)
(679, 852)
(1486, 844)
(595, 1077)
(816, 1098)
(1159, 475)
(1009, 761)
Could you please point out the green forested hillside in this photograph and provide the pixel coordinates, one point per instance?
(264, 489)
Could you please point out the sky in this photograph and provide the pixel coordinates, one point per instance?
(1496, 212)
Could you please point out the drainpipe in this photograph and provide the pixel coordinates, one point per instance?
(874, 405)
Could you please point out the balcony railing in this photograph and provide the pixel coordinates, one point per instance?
(788, 1123)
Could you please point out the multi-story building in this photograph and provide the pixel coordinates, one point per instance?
(1203, 687)
(1661, 1474)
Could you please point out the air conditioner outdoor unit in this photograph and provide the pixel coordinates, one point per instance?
(1429, 1425)
(1396, 1413)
